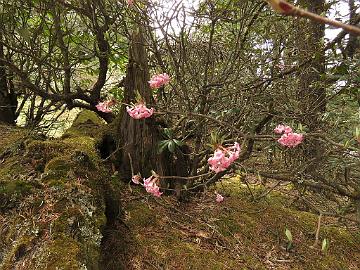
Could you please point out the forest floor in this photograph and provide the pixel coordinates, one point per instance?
(239, 233)
(61, 209)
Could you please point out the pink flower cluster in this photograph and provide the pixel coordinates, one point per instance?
(105, 106)
(139, 111)
(224, 157)
(159, 80)
(291, 139)
(288, 137)
(150, 184)
(280, 129)
(219, 198)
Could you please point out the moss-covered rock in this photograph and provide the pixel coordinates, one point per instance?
(52, 206)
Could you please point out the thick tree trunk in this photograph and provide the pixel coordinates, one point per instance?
(311, 88)
(138, 139)
(309, 39)
(8, 101)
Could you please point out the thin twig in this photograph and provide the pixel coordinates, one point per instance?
(317, 231)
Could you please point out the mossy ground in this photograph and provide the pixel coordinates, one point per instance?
(53, 216)
(236, 234)
(52, 207)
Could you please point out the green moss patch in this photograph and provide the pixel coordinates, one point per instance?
(236, 234)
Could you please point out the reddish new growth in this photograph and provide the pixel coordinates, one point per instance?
(286, 7)
(281, 6)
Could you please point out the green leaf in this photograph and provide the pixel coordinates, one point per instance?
(325, 245)
(162, 145)
(25, 33)
(300, 127)
(168, 132)
(179, 143)
(171, 146)
(342, 69)
(357, 132)
(288, 235)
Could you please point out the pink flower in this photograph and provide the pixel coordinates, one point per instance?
(139, 111)
(219, 198)
(130, 2)
(291, 139)
(282, 129)
(104, 106)
(151, 186)
(136, 179)
(159, 80)
(223, 158)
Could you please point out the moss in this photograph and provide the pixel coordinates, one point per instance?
(11, 137)
(140, 215)
(17, 251)
(228, 225)
(62, 253)
(85, 116)
(15, 187)
(61, 214)
(87, 123)
(57, 168)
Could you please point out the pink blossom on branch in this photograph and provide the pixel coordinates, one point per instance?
(151, 186)
(105, 106)
(291, 139)
(139, 111)
(282, 129)
(224, 157)
(159, 80)
(219, 198)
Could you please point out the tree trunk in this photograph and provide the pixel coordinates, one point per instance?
(353, 43)
(311, 94)
(8, 102)
(311, 87)
(138, 139)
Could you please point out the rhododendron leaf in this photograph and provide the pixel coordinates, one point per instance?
(179, 143)
(168, 132)
(288, 235)
(300, 127)
(325, 245)
(357, 132)
(171, 146)
(162, 145)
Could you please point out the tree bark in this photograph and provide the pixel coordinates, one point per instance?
(311, 93)
(138, 139)
(353, 43)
